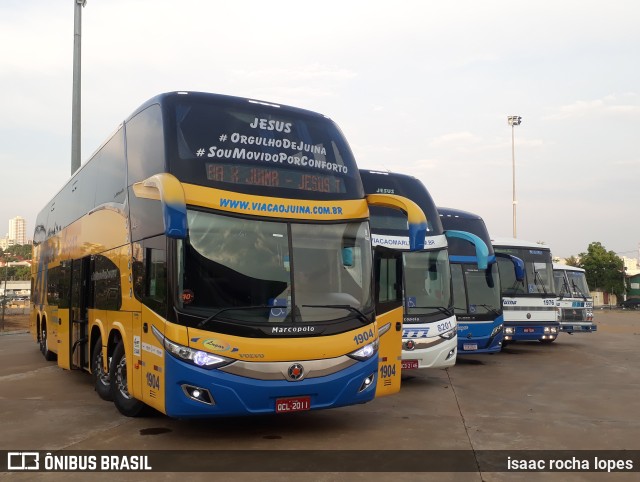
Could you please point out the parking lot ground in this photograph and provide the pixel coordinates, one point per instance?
(580, 393)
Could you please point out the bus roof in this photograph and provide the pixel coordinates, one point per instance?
(457, 213)
(566, 267)
(230, 99)
(518, 243)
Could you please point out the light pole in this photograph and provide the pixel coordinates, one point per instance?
(513, 120)
(4, 294)
(75, 102)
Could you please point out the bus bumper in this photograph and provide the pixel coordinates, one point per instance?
(481, 344)
(578, 327)
(439, 353)
(233, 395)
(531, 332)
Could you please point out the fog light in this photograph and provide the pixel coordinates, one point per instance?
(367, 382)
(198, 394)
(451, 353)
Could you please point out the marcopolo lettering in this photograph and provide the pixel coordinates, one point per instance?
(293, 329)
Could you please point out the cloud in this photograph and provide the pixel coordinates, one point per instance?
(626, 104)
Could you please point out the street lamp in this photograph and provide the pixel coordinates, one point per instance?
(513, 120)
(75, 102)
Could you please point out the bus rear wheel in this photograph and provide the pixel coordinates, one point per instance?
(124, 402)
(100, 375)
(44, 344)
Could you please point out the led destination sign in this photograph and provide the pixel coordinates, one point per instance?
(279, 178)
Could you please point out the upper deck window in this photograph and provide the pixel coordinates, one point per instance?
(261, 149)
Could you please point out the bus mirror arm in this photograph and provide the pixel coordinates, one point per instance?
(167, 189)
(415, 216)
(482, 251)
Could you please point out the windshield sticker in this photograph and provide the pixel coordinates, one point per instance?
(188, 296)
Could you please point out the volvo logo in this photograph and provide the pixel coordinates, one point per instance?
(528, 316)
(295, 372)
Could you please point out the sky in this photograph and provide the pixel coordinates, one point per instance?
(418, 87)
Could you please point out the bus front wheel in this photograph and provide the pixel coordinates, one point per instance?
(124, 402)
(100, 375)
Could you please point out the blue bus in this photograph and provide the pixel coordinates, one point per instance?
(476, 291)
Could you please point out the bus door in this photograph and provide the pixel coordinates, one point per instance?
(78, 312)
(389, 312)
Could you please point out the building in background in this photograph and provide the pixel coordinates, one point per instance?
(17, 233)
(18, 230)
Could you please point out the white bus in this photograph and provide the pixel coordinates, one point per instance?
(529, 305)
(575, 302)
(418, 282)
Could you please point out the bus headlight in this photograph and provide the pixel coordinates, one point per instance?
(195, 357)
(509, 330)
(449, 334)
(496, 330)
(366, 351)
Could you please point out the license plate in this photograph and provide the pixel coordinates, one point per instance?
(409, 364)
(529, 330)
(470, 346)
(293, 404)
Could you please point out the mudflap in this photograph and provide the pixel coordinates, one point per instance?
(390, 352)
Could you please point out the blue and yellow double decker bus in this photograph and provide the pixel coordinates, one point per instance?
(213, 258)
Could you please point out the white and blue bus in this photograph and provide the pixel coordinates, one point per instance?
(574, 299)
(476, 291)
(417, 282)
(529, 305)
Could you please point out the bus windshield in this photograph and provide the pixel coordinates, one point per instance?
(538, 272)
(475, 290)
(264, 271)
(427, 282)
(574, 285)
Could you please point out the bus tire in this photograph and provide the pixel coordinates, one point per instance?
(99, 374)
(44, 344)
(124, 402)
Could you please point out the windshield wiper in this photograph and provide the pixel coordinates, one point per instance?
(441, 309)
(490, 309)
(212, 317)
(361, 316)
(538, 281)
(578, 290)
(564, 289)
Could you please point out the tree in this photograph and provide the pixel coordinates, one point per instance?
(573, 261)
(603, 269)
